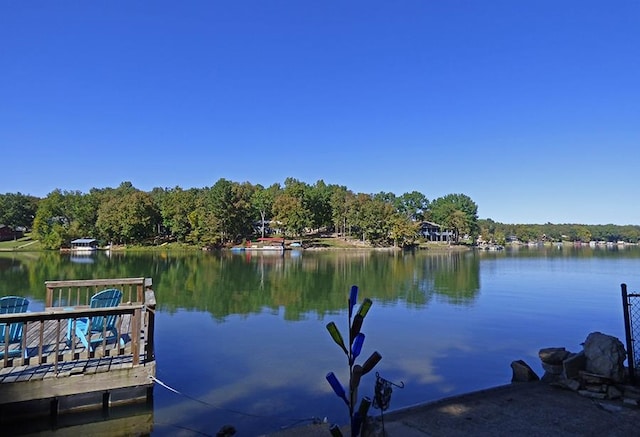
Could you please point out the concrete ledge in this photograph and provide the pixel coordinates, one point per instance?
(533, 408)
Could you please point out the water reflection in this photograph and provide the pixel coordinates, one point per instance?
(244, 334)
(226, 283)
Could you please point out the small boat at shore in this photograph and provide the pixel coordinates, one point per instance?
(266, 243)
(489, 246)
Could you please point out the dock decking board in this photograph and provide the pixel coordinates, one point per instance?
(73, 360)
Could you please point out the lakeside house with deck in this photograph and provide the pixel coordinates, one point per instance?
(434, 232)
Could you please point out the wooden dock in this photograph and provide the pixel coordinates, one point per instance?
(56, 374)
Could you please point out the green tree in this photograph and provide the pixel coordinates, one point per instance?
(262, 201)
(244, 213)
(341, 201)
(583, 234)
(175, 205)
(403, 231)
(290, 214)
(291, 207)
(17, 209)
(443, 212)
(221, 203)
(63, 216)
(412, 205)
(204, 225)
(230, 205)
(372, 216)
(319, 204)
(129, 218)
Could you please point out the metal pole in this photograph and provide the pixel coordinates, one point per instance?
(627, 332)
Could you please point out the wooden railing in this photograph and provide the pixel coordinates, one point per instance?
(79, 292)
(45, 339)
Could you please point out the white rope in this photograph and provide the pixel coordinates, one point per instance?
(156, 380)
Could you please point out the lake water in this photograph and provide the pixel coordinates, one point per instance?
(242, 337)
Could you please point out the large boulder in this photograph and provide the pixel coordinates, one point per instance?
(573, 365)
(522, 372)
(553, 355)
(605, 355)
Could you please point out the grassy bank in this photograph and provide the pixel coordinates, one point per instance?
(315, 242)
(24, 243)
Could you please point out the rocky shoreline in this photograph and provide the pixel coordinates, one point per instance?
(596, 372)
(581, 393)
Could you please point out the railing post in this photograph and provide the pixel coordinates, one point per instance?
(135, 336)
(627, 333)
(49, 297)
(150, 303)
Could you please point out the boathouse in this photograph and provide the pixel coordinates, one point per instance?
(50, 371)
(84, 245)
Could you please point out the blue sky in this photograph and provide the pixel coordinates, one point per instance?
(531, 108)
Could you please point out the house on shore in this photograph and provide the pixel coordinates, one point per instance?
(434, 232)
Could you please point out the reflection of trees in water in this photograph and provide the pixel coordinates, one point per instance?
(310, 284)
(457, 277)
(224, 283)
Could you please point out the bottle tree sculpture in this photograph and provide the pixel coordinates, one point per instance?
(356, 371)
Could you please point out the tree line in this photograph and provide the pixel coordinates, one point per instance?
(229, 212)
(501, 233)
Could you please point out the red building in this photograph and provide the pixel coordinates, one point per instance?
(6, 233)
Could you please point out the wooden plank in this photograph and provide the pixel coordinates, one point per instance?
(66, 314)
(25, 375)
(53, 387)
(13, 376)
(46, 338)
(76, 292)
(42, 371)
(94, 282)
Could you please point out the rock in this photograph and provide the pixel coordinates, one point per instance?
(522, 372)
(592, 378)
(613, 392)
(592, 395)
(605, 355)
(573, 364)
(632, 402)
(609, 407)
(554, 369)
(631, 392)
(572, 384)
(596, 388)
(550, 378)
(553, 355)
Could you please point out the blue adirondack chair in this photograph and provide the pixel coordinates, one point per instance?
(89, 330)
(11, 305)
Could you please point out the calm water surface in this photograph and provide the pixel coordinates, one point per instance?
(245, 335)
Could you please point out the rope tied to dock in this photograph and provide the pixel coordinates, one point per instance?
(314, 420)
